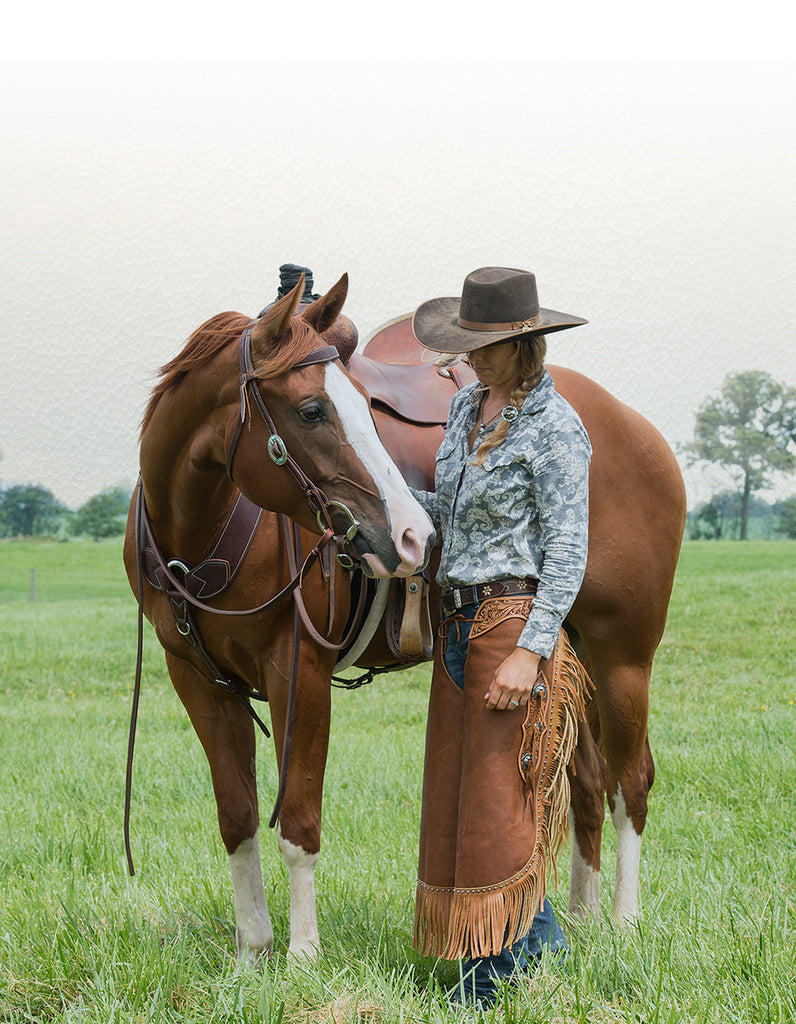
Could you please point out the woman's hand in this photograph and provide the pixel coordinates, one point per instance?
(513, 681)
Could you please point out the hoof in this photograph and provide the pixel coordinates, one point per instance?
(303, 952)
(251, 957)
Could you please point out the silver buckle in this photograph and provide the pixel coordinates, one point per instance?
(457, 599)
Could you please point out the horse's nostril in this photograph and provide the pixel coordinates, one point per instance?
(363, 547)
(411, 549)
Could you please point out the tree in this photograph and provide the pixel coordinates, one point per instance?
(750, 430)
(716, 519)
(27, 510)
(787, 517)
(104, 515)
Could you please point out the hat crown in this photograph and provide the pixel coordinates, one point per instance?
(498, 295)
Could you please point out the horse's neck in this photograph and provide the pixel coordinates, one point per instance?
(187, 491)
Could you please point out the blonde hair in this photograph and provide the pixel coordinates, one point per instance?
(529, 355)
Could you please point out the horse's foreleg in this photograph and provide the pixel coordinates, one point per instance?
(299, 833)
(226, 733)
(253, 930)
(304, 938)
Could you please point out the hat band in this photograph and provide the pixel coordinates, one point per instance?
(517, 325)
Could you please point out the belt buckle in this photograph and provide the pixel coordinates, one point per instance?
(457, 598)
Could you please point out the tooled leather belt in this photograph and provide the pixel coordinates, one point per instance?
(454, 598)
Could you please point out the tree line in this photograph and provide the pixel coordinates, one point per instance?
(29, 510)
(748, 429)
(719, 518)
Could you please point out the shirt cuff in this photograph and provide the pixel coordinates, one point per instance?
(540, 634)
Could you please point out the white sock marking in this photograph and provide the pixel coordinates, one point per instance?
(628, 861)
(584, 881)
(304, 938)
(255, 934)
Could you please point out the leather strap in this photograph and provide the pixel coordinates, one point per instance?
(300, 616)
(293, 548)
(218, 569)
(176, 585)
(324, 354)
(455, 598)
(416, 638)
(517, 325)
(249, 392)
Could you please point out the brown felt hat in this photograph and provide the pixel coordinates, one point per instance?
(496, 304)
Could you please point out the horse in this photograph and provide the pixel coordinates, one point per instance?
(637, 509)
(222, 437)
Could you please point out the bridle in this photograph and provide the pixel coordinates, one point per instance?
(320, 505)
(250, 394)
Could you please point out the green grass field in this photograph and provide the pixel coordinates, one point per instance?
(82, 942)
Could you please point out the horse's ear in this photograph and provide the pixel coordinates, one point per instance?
(276, 320)
(325, 310)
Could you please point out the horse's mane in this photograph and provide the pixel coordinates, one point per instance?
(214, 335)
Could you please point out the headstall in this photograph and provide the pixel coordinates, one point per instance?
(250, 394)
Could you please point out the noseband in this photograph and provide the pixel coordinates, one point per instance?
(319, 504)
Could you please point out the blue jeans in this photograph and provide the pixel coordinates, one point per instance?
(481, 976)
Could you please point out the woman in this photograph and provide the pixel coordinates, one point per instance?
(511, 508)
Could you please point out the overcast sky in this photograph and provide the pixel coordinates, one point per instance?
(141, 195)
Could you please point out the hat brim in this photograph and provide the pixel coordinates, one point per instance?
(436, 326)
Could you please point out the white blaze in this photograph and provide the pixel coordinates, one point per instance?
(410, 526)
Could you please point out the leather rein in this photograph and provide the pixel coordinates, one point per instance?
(215, 574)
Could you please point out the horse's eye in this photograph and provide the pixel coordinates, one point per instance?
(312, 413)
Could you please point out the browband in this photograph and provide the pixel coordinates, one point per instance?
(320, 355)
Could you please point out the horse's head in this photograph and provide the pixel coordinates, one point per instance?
(325, 432)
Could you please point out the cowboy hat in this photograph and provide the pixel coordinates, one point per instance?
(497, 304)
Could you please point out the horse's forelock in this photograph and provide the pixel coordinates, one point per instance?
(288, 349)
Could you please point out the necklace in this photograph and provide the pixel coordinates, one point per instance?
(507, 413)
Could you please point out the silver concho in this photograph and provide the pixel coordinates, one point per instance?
(509, 413)
(277, 449)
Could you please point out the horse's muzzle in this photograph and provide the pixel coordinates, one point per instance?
(410, 556)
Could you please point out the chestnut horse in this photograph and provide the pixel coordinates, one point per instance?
(637, 512)
(264, 409)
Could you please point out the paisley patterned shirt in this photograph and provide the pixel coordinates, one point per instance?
(524, 512)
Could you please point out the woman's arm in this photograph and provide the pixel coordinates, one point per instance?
(561, 496)
(428, 502)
